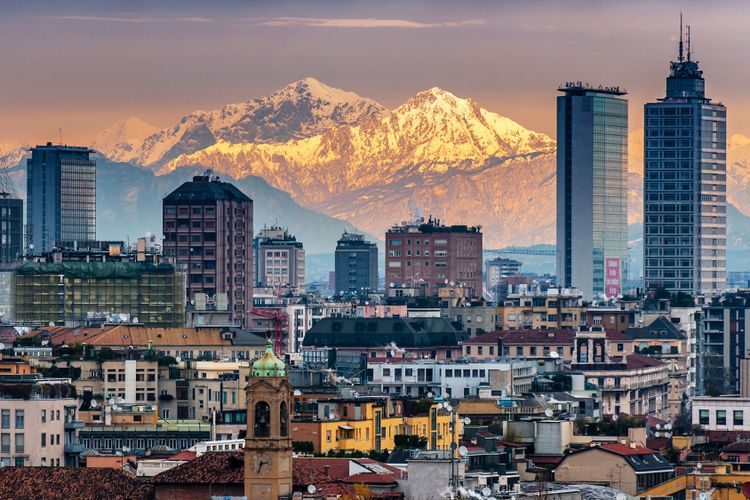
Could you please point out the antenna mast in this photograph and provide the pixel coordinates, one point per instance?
(59, 133)
(688, 42)
(680, 57)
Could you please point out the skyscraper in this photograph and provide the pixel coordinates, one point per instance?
(11, 228)
(592, 210)
(684, 185)
(356, 264)
(60, 196)
(208, 227)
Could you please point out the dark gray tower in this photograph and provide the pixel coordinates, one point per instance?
(356, 264)
(592, 210)
(11, 228)
(684, 185)
(60, 196)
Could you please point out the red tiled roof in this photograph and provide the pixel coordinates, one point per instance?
(738, 447)
(535, 337)
(27, 483)
(546, 460)
(510, 444)
(184, 455)
(218, 467)
(626, 450)
(636, 361)
(370, 478)
(617, 336)
(657, 443)
(727, 436)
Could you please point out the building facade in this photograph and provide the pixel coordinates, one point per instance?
(279, 260)
(11, 228)
(495, 272)
(430, 256)
(684, 186)
(592, 215)
(724, 343)
(208, 227)
(71, 293)
(60, 196)
(356, 264)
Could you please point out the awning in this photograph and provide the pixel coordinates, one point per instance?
(346, 427)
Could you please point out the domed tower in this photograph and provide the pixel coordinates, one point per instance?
(268, 446)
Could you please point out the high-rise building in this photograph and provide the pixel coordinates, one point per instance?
(60, 196)
(430, 256)
(592, 210)
(684, 185)
(356, 264)
(208, 227)
(496, 271)
(279, 259)
(11, 228)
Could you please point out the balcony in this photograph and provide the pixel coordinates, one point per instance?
(74, 448)
(75, 424)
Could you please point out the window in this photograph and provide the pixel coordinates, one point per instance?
(283, 420)
(703, 417)
(5, 443)
(20, 448)
(262, 419)
(738, 418)
(5, 419)
(44, 417)
(19, 419)
(721, 417)
(44, 439)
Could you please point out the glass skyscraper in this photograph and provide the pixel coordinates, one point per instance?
(684, 185)
(592, 217)
(60, 196)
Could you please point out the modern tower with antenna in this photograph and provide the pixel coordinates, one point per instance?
(685, 210)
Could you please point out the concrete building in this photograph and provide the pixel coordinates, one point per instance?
(207, 233)
(130, 380)
(552, 308)
(60, 196)
(684, 185)
(496, 271)
(430, 256)
(356, 265)
(11, 228)
(592, 209)
(279, 260)
(74, 293)
(459, 379)
(721, 413)
(38, 422)
(724, 343)
(630, 468)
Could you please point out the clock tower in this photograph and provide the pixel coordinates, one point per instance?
(268, 446)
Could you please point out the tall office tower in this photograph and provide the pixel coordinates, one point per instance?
(684, 185)
(11, 228)
(592, 209)
(60, 196)
(208, 227)
(279, 259)
(430, 256)
(356, 264)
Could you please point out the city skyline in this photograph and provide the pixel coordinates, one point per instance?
(493, 55)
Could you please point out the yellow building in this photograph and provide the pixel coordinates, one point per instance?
(553, 309)
(370, 423)
(721, 484)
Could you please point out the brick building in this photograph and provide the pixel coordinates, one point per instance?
(208, 227)
(430, 256)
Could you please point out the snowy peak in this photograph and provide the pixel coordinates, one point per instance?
(119, 139)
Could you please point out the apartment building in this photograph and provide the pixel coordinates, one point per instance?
(553, 308)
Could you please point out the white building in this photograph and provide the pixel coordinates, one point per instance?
(417, 377)
(723, 413)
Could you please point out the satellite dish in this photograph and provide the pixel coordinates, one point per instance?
(614, 418)
(621, 496)
(657, 434)
(311, 489)
(467, 421)
(548, 412)
(453, 283)
(331, 416)
(554, 354)
(448, 407)
(668, 426)
(667, 434)
(699, 466)
(658, 426)
(430, 395)
(486, 491)
(703, 496)
(94, 403)
(297, 392)
(463, 451)
(392, 284)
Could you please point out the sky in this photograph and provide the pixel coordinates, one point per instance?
(80, 66)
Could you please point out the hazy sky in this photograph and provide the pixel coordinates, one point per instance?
(84, 65)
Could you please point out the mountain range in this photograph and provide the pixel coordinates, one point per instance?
(353, 160)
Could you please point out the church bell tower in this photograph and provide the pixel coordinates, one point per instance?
(268, 446)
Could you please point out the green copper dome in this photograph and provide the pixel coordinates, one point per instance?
(269, 365)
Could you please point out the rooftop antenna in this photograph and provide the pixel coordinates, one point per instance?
(688, 42)
(679, 55)
(59, 133)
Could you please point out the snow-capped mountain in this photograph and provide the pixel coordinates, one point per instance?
(13, 153)
(120, 140)
(443, 154)
(299, 110)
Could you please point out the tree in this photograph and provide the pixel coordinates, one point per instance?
(303, 446)
(105, 353)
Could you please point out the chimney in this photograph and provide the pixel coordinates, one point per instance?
(327, 470)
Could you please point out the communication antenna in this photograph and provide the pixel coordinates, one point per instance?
(679, 57)
(59, 133)
(688, 42)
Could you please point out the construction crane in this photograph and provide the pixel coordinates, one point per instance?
(524, 251)
(279, 317)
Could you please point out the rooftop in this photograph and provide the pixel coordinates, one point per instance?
(64, 483)
(204, 189)
(579, 88)
(513, 337)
